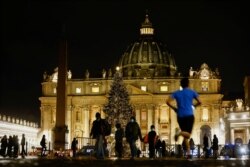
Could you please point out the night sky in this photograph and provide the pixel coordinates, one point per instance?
(98, 32)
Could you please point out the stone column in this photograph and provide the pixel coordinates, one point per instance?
(150, 116)
(156, 117)
(232, 136)
(86, 121)
(138, 114)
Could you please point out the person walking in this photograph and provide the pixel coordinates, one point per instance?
(151, 141)
(23, 141)
(74, 146)
(215, 147)
(119, 134)
(132, 133)
(98, 134)
(184, 110)
(43, 144)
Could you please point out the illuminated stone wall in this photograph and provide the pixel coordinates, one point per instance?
(10, 126)
(83, 102)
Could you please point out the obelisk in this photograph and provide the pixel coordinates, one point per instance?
(60, 129)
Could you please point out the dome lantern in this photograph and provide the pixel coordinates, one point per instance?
(146, 27)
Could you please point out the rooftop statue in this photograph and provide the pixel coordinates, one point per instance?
(87, 74)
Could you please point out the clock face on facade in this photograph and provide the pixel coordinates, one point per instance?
(204, 74)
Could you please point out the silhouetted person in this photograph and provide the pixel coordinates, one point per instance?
(132, 133)
(119, 134)
(43, 144)
(207, 145)
(215, 147)
(158, 146)
(10, 146)
(164, 151)
(98, 134)
(151, 141)
(4, 145)
(192, 145)
(74, 146)
(15, 146)
(184, 148)
(23, 141)
(184, 110)
(248, 147)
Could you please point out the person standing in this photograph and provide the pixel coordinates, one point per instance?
(132, 133)
(248, 147)
(43, 144)
(15, 146)
(4, 145)
(184, 148)
(215, 147)
(10, 146)
(206, 144)
(192, 146)
(119, 134)
(23, 141)
(158, 147)
(164, 151)
(184, 110)
(151, 141)
(98, 134)
(74, 146)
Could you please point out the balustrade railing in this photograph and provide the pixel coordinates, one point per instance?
(176, 150)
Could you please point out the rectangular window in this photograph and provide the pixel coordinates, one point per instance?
(205, 115)
(144, 88)
(204, 86)
(78, 90)
(54, 90)
(95, 89)
(163, 88)
(143, 115)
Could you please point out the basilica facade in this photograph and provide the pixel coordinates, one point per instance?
(150, 74)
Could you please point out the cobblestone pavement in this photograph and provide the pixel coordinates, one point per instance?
(125, 162)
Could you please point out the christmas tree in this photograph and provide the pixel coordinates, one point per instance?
(118, 108)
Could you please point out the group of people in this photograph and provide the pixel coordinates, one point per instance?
(210, 145)
(132, 134)
(157, 148)
(10, 146)
(185, 118)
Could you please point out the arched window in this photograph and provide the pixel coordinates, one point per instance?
(205, 129)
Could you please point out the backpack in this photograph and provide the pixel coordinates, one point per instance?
(145, 139)
(106, 127)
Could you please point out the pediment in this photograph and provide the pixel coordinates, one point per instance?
(136, 91)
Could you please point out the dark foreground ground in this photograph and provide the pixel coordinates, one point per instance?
(111, 162)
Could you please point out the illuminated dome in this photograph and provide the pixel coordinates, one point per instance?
(147, 57)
